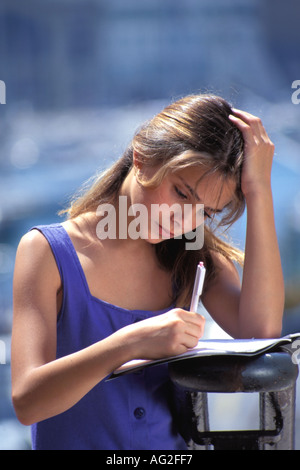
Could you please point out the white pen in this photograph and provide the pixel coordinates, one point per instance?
(198, 286)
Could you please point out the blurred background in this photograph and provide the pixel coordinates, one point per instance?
(80, 76)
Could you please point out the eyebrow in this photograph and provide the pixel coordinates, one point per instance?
(195, 195)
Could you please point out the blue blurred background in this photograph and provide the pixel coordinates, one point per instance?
(82, 75)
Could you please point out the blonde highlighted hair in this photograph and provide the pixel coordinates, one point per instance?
(192, 132)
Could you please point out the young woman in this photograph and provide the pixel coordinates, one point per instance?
(84, 304)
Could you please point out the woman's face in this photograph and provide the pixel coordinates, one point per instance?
(180, 203)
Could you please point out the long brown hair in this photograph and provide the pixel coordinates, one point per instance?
(193, 131)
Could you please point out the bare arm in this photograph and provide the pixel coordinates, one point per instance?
(256, 309)
(43, 386)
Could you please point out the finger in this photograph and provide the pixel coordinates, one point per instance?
(247, 117)
(253, 121)
(196, 329)
(245, 128)
(193, 318)
(191, 323)
(190, 342)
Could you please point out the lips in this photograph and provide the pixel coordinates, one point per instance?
(164, 232)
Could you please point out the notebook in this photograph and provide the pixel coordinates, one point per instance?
(210, 347)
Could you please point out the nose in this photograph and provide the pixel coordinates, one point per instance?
(177, 221)
(193, 217)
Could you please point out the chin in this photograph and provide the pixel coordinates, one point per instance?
(155, 241)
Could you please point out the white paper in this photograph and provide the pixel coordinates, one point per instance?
(211, 348)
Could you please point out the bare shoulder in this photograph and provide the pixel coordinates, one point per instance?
(33, 240)
(82, 232)
(80, 228)
(35, 260)
(34, 246)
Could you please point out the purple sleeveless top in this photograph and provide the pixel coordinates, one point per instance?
(128, 413)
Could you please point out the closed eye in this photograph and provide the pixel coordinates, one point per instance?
(183, 196)
(180, 194)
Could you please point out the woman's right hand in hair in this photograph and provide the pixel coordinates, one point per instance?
(164, 335)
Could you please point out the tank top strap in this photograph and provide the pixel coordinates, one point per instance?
(65, 255)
